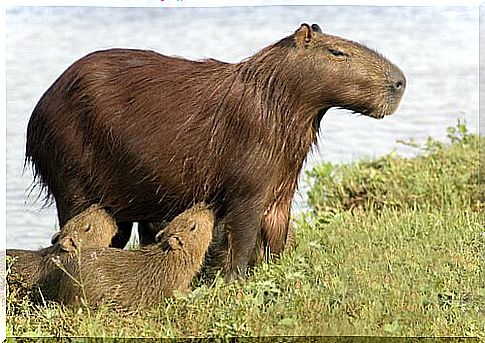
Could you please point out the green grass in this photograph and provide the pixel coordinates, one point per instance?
(391, 247)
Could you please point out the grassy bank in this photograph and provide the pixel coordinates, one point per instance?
(390, 247)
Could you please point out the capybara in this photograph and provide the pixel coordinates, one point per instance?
(233, 135)
(35, 269)
(91, 228)
(138, 279)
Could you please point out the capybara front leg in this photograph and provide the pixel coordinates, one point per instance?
(243, 235)
(70, 201)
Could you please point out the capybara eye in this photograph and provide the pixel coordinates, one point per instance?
(87, 227)
(336, 52)
(193, 227)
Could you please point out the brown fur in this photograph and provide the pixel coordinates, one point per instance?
(36, 269)
(141, 278)
(91, 228)
(232, 135)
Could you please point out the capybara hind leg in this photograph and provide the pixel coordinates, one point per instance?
(123, 235)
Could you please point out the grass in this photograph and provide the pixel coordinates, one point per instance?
(390, 247)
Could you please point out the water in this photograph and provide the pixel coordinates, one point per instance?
(437, 48)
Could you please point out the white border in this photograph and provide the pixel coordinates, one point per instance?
(146, 3)
(220, 3)
(3, 176)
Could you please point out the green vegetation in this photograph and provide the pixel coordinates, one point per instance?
(391, 247)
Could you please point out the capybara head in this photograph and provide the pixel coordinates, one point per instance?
(345, 74)
(190, 231)
(92, 228)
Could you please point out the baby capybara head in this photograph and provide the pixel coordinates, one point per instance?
(92, 228)
(342, 73)
(190, 231)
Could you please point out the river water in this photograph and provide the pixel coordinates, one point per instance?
(436, 47)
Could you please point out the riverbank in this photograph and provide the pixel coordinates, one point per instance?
(390, 247)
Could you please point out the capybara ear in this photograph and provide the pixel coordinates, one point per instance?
(171, 243)
(55, 238)
(67, 244)
(303, 35)
(316, 28)
(175, 243)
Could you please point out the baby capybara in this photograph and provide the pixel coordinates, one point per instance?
(138, 279)
(233, 135)
(93, 227)
(35, 269)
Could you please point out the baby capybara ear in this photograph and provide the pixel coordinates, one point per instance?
(170, 243)
(304, 34)
(67, 244)
(159, 236)
(316, 28)
(175, 243)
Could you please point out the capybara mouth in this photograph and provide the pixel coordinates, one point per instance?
(381, 106)
(388, 98)
(381, 112)
(384, 109)
(378, 113)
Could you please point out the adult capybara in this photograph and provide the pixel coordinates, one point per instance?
(35, 269)
(234, 135)
(141, 278)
